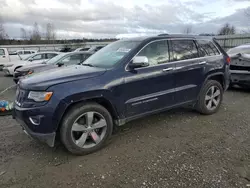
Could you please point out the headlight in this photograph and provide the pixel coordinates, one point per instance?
(9, 65)
(30, 72)
(40, 96)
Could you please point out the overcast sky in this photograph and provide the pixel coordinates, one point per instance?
(121, 18)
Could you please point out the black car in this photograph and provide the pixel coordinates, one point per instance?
(64, 59)
(240, 66)
(126, 80)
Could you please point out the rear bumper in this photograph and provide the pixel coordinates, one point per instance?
(240, 77)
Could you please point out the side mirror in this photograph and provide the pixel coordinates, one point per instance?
(60, 64)
(139, 61)
(31, 60)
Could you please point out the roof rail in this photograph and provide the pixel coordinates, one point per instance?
(164, 34)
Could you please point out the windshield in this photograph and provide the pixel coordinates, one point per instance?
(56, 58)
(110, 55)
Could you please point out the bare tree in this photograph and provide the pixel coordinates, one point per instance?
(35, 35)
(3, 34)
(50, 32)
(227, 30)
(24, 35)
(187, 29)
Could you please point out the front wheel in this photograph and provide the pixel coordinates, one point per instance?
(210, 98)
(86, 128)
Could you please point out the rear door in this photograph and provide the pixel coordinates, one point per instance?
(189, 70)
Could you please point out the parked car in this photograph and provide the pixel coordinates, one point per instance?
(65, 49)
(23, 52)
(95, 48)
(240, 66)
(65, 59)
(32, 59)
(127, 79)
(90, 49)
(81, 49)
(6, 59)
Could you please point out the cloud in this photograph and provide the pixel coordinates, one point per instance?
(110, 18)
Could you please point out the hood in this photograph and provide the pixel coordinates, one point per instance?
(13, 62)
(43, 80)
(31, 67)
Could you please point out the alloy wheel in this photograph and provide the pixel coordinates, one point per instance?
(212, 98)
(89, 129)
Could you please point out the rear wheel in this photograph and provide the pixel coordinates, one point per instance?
(210, 97)
(86, 128)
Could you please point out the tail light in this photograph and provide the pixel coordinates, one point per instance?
(228, 60)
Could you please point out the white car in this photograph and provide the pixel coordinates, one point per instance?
(36, 58)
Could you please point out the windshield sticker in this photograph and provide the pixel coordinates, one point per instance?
(126, 50)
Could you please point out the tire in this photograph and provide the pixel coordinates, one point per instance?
(203, 102)
(68, 135)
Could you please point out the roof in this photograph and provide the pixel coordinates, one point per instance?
(80, 52)
(168, 36)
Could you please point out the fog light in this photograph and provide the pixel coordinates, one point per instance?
(35, 120)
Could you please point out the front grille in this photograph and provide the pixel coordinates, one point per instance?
(20, 96)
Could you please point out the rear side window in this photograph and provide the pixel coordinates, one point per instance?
(49, 56)
(2, 52)
(207, 48)
(183, 49)
(27, 52)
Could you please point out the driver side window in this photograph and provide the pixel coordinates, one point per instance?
(156, 52)
(72, 60)
(37, 57)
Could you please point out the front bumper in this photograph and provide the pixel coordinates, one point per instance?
(6, 71)
(22, 116)
(240, 77)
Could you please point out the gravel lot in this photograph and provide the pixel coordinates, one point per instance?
(179, 148)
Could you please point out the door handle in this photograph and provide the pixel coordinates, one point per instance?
(3, 56)
(167, 69)
(202, 63)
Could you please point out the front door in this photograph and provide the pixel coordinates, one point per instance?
(153, 87)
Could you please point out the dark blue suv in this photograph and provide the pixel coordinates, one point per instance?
(125, 80)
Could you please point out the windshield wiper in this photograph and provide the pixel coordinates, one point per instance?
(89, 65)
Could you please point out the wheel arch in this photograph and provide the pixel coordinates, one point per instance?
(99, 99)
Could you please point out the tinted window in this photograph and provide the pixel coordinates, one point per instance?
(84, 49)
(183, 49)
(156, 52)
(72, 60)
(38, 57)
(207, 48)
(49, 56)
(27, 52)
(2, 52)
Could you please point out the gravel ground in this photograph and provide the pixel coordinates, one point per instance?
(179, 148)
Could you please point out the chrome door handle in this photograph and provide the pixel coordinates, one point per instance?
(202, 63)
(167, 69)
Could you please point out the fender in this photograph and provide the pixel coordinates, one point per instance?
(97, 96)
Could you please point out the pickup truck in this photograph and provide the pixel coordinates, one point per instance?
(5, 57)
